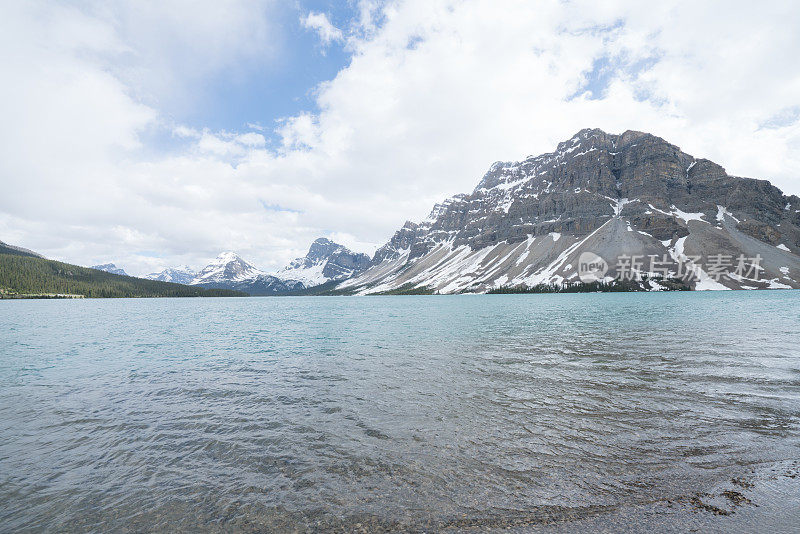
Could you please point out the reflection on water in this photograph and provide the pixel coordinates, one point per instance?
(304, 413)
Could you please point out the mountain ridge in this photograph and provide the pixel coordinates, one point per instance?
(543, 211)
(631, 197)
(325, 262)
(229, 271)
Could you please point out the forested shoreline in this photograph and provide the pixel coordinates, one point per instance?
(32, 277)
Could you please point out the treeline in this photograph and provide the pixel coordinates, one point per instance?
(667, 284)
(25, 275)
(408, 289)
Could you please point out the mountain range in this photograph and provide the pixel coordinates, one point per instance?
(325, 262)
(610, 206)
(229, 271)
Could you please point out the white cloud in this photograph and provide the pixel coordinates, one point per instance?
(172, 47)
(224, 143)
(320, 23)
(436, 91)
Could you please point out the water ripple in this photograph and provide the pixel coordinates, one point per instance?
(388, 413)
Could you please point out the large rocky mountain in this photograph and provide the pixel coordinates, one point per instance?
(324, 262)
(618, 197)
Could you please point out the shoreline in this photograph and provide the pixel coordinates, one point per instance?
(766, 499)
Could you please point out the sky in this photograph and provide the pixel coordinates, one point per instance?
(157, 133)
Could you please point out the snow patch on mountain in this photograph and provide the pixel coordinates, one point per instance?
(686, 217)
(309, 275)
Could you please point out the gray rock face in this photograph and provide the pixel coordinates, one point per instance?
(110, 268)
(673, 202)
(324, 262)
(343, 263)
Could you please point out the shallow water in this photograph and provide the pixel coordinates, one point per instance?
(385, 412)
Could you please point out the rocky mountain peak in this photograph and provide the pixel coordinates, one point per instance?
(633, 181)
(227, 266)
(321, 249)
(325, 261)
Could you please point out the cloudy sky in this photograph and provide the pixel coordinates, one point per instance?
(160, 133)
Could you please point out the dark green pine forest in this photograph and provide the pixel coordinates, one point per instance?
(26, 275)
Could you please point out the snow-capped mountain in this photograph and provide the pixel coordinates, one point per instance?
(176, 275)
(110, 268)
(229, 271)
(618, 197)
(227, 267)
(324, 262)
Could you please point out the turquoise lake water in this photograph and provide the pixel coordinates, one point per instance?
(416, 412)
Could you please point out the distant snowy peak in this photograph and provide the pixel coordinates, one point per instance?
(176, 275)
(229, 271)
(110, 268)
(227, 267)
(324, 262)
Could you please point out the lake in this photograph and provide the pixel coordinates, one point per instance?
(468, 412)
